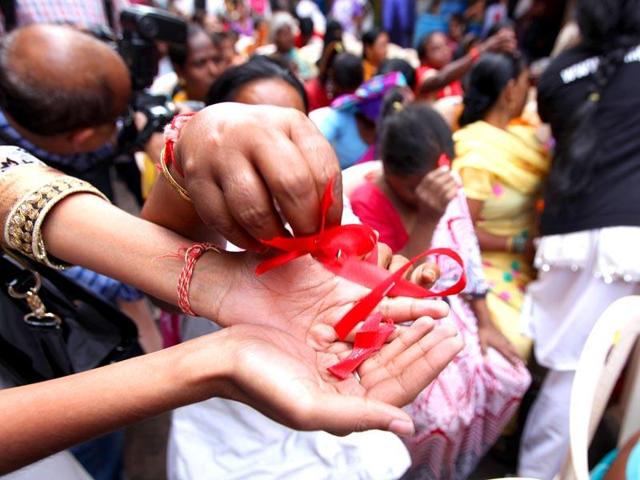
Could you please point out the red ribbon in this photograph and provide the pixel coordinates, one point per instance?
(369, 339)
(350, 251)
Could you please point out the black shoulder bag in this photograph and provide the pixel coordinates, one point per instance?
(50, 326)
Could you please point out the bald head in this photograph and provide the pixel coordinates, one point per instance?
(55, 79)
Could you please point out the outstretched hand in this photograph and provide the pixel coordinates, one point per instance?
(300, 297)
(287, 380)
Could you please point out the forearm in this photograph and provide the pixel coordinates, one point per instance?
(481, 311)
(40, 419)
(165, 207)
(420, 238)
(85, 230)
(449, 73)
(492, 243)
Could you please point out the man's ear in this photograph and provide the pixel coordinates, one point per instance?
(83, 139)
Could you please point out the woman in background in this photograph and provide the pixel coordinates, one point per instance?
(590, 226)
(413, 204)
(374, 50)
(350, 123)
(502, 165)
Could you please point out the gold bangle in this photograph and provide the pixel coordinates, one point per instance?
(172, 181)
(23, 228)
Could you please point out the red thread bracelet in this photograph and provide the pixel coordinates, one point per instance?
(191, 257)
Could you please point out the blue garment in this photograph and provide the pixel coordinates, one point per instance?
(102, 457)
(108, 288)
(397, 20)
(341, 130)
(79, 162)
(632, 470)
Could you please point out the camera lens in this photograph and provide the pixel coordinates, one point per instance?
(148, 27)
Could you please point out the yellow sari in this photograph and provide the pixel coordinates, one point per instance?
(504, 169)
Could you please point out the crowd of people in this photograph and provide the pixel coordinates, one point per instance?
(501, 130)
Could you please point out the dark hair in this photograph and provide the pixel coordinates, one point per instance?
(257, 68)
(609, 28)
(178, 52)
(369, 38)
(422, 46)
(487, 81)
(348, 73)
(306, 26)
(412, 137)
(496, 27)
(333, 33)
(399, 65)
(47, 109)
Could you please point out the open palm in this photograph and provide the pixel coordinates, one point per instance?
(287, 380)
(303, 299)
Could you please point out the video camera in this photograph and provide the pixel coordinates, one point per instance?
(141, 28)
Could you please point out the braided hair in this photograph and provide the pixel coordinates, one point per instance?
(609, 28)
(487, 80)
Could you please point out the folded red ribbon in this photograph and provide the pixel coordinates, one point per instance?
(350, 251)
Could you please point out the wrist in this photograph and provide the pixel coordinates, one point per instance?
(214, 277)
(476, 52)
(202, 367)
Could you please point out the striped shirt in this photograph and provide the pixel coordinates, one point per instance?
(82, 13)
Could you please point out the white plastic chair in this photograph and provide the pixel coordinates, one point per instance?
(606, 352)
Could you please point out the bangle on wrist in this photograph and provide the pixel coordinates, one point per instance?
(167, 157)
(164, 166)
(23, 228)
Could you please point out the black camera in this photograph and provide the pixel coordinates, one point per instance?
(141, 28)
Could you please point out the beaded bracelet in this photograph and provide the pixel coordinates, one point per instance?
(23, 228)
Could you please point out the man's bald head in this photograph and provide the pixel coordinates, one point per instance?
(55, 79)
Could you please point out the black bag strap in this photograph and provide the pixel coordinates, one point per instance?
(8, 9)
(108, 12)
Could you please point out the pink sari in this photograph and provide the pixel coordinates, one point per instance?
(462, 413)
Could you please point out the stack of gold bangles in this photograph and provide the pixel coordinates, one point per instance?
(23, 228)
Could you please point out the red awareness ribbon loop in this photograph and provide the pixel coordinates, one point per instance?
(350, 251)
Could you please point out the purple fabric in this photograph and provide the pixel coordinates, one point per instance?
(367, 99)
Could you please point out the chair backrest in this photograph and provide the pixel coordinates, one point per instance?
(606, 352)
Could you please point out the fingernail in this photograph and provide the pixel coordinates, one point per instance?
(404, 428)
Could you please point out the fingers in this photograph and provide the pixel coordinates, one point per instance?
(425, 274)
(290, 181)
(408, 337)
(397, 262)
(256, 155)
(344, 414)
(404, 309)
(210, 204)
(384, 255)
(320, 159)
(402, 352)
(401, 379)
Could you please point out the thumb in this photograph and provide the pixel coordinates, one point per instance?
(344, 414)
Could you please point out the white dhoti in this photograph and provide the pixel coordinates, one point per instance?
(581, 274)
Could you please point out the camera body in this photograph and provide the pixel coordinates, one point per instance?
(141, 28)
